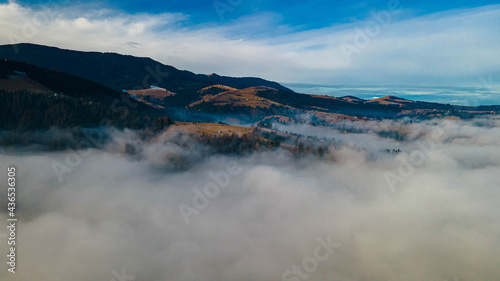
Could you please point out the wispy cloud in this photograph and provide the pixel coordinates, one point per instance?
(447, 48)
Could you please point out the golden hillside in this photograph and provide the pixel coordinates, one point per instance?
(240, 98)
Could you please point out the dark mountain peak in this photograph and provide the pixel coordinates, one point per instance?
(119, 71)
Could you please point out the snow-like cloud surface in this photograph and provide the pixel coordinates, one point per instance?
(115, 214)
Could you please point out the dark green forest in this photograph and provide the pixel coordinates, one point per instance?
(26, 111)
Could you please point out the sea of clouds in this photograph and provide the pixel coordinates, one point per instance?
(485, 92)
(429, 212)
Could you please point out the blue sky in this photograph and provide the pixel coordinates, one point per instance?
(430, 43)
(299, 14)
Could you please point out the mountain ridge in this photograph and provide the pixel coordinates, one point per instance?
(118, 71)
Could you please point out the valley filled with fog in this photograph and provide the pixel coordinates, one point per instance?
(421, 206)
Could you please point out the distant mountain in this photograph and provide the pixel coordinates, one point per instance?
(123, 71)
(261, 103)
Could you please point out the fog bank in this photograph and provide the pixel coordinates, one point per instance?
(429, 212)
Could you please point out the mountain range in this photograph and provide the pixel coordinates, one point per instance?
(123, 71)
(151, 89)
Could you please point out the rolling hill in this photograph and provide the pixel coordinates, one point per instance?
(239, 98)
(258, 103)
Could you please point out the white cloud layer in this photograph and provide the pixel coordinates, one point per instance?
(117, 212)
(448, 48)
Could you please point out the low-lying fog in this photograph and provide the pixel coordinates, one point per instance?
(428, 213)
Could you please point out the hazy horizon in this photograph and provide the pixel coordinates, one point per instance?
(468, 96)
